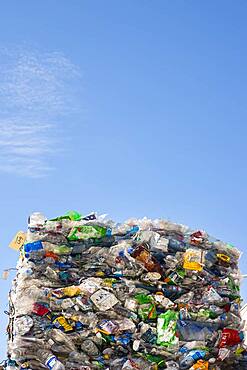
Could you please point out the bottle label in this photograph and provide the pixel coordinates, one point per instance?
(193, 259)
(87, 232)
(51, 362)
(61, 323)
(104, 300)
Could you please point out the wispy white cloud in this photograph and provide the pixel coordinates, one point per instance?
(36, 90)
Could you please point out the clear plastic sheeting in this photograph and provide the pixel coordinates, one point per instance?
(146, 294)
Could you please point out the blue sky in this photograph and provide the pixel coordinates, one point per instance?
(130, 108)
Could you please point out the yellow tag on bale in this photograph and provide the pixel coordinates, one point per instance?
(18, 241)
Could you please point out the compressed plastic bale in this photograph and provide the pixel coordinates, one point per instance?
(145, 294)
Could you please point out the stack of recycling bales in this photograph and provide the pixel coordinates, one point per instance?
(145, 294)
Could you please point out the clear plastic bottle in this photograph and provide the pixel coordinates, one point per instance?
(21, 353)
(57, 249)
(60, 338)
(191, 357)
(11, 365)
(36, 220)
(172, 365)
(50, 361)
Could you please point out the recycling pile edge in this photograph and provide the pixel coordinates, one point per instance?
(145, 294)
